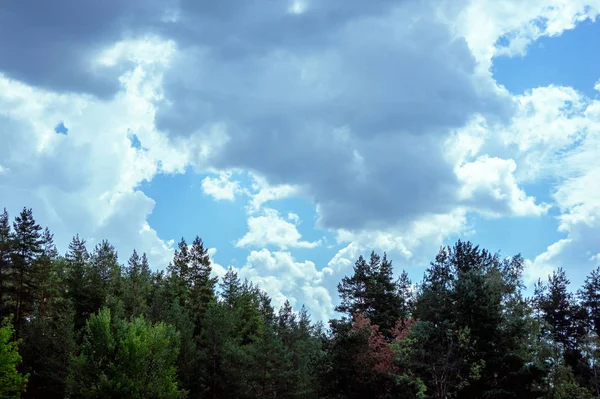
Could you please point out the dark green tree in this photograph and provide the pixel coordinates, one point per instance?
(371, 291)
(231, 287)
(26, 249)
(5, 262)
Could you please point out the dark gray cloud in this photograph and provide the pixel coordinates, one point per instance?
(350, 102)
(51, 44)
(349, 99)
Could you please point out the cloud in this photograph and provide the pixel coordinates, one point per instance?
(353, 115)
(554, 137)
(87, 181)
(385, 116)
(543, 264)
(413, 243)
(283, 278)
(490, 182)
(222, 187)
(484, 22)
(270, 229)
(55, 45)
(264, 193)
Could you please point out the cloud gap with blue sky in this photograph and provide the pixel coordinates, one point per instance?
(294, 136)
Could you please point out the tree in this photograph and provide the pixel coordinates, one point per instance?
(202, 285)
(46, 276)
(48, 345)
(79, 287)
(133, 359)
(105, 279)
(138, 285)
(231, 287)
(5, 261)
(564, 323)
(27, 247)
(12, 382)
(372, 292)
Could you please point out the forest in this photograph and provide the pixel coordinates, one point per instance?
(87, 325)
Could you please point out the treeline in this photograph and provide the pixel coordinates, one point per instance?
(83, 325)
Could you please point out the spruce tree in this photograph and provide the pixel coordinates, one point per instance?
(27, 247)
(5, 262)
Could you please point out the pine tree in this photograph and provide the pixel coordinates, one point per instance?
(106, 280)
(372, 292)
(137, 283)
(5, 261)
(27, 247)
(231, 287)
(79, 287)
(202, 285)
(46, 276)
(178, 273)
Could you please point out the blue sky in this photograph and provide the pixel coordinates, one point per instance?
(294, 136)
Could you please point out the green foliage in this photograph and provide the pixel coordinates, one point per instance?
(12, 382)
(134, 360)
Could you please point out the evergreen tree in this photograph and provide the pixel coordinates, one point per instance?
(27, 247)
(5, 262)
(202, 285)
(46, 276)
(138, 285)
(78, 283)
(371, 291)
(105, 279)
(48, 345)
(231, 287)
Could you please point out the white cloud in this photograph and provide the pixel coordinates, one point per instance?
(543, 264)
(271, 229)
(294, 218)
(284, 278)
(483, 22)
(490, 181)
(222, 187)
(554, 137)
(86, 181)
(218, 270)
(416, 241)
(264, 192)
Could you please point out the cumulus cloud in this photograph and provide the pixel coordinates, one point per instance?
(413, 243)
(263, 192)
(222, 187)
(269, 229)
(86, 181)
(283, 278)
(555, 135)
(491, 181)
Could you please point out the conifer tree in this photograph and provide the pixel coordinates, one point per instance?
(231, 287)
(79, 287)
(5, 262)
(26, 249)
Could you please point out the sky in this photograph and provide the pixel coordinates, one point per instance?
(293, 136)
